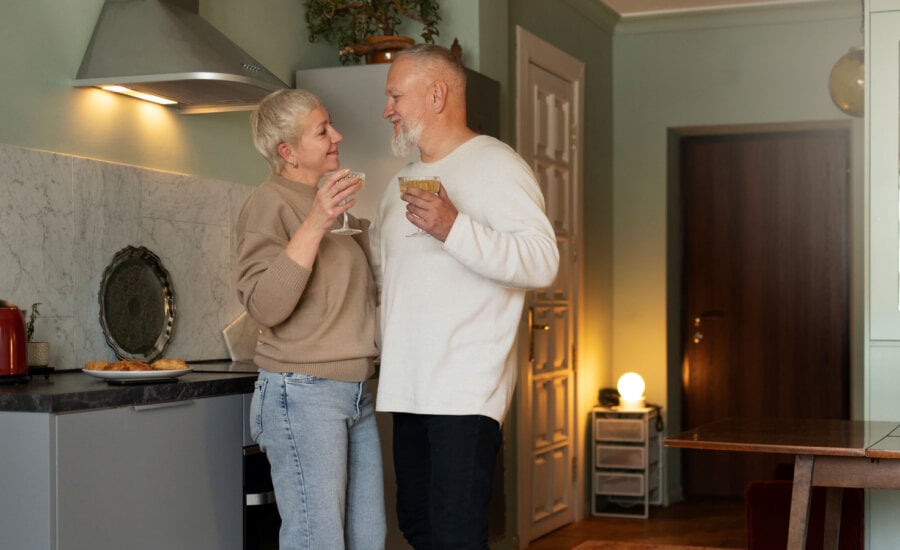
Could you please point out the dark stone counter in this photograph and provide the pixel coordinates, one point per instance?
(68, 391)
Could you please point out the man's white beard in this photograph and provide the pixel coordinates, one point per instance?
(406, 138)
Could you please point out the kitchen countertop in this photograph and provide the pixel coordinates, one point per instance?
(70, 391)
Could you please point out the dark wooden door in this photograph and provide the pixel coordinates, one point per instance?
(765, 288)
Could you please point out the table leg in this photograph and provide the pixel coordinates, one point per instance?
(833, 505)
(800, 497)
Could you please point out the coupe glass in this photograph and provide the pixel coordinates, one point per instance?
(346, 229)
(432, 184)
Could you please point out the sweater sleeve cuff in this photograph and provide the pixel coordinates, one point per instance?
(456, 238)
(289, 273)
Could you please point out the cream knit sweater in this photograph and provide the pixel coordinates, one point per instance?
(450, 311)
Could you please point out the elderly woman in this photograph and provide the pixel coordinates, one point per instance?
(314, 294)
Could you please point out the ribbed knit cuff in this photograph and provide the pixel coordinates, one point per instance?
(290, 273)
(457, 237)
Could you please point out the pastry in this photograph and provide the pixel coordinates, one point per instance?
(133, 365)
(129, 365)
(169, 364)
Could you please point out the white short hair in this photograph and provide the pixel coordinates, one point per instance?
(275, 122)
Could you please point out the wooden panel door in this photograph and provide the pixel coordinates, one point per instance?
(549, 123)
(766, 288)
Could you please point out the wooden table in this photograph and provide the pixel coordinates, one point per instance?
(836, 454)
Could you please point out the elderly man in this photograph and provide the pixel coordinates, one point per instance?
(451, 300)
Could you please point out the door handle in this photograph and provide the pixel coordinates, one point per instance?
(709, 315)
(531, 328)
(532, 324)
(697, 320)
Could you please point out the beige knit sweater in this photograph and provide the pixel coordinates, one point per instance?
(319, 322)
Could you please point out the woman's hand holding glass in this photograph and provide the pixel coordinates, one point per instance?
(333, 198)
(360, 178)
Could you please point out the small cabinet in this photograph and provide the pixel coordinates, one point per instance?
(627, 461)
(165, 475)
(143, 477)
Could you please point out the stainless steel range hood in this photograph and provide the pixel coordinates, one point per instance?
(158, 47)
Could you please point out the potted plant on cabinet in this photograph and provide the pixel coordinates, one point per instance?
(368, 27)
(38, 353)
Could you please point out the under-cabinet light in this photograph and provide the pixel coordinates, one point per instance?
(140, 95)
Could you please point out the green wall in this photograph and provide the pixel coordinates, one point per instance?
(763, 66)
(42, 43)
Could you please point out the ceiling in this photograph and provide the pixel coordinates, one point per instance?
(638, 8)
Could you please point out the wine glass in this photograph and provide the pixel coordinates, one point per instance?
(346, 229)
(432, 184)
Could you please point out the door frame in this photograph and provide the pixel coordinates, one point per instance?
(674, 302)
(531, 49)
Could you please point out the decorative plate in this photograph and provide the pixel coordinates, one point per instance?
(136, 374)
(137, 305)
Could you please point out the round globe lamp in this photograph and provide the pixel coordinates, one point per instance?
(846, 84)
(631, 391)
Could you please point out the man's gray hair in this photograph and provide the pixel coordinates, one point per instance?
(434, 57)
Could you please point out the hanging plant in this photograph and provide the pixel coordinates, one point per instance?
(349, 23)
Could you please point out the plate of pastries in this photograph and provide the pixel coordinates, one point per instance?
(132, 369)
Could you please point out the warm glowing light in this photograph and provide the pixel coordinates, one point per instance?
(631, 391)
(140, 95)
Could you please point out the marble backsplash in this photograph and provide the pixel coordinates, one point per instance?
(62, 219)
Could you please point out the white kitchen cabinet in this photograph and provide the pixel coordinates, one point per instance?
(156, 476)
(882, 149)
(627, 461)
(882, 354)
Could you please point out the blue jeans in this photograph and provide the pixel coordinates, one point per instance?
(322, 444)
(445, 469)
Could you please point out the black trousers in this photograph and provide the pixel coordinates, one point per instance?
(444, 467)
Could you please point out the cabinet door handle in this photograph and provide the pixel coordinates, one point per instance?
(166, 405)
(260, 499)
(251, 450)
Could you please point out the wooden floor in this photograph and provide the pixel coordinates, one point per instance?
(717, 524)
